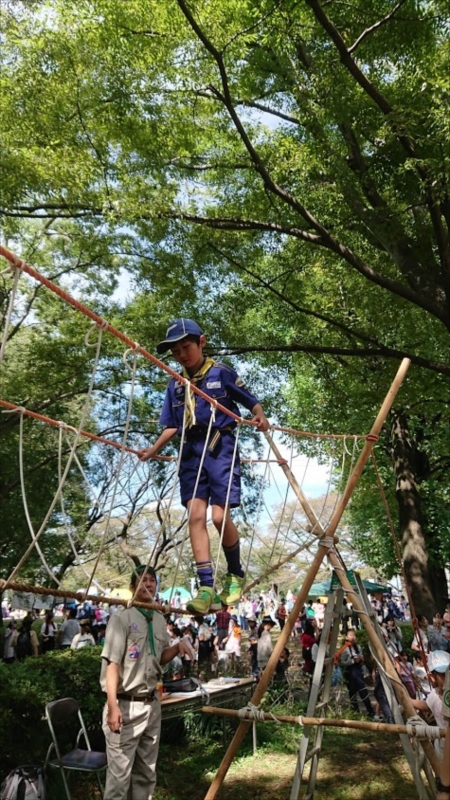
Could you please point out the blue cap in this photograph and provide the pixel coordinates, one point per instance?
(177, 330)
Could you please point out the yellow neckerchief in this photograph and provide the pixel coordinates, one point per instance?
(190, 396)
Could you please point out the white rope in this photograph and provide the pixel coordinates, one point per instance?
(78, 561)
(227, 498)
(251, 711)
(84, 413)
(48, 569)
(119, 467)
(416, 727)
(256, 516)
(344, 470)
(286, 494)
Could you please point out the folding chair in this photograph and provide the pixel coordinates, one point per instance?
(67, 728)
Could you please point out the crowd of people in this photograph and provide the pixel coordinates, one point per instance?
(240, 640)
(82, 625)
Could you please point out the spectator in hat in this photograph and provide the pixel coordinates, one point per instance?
(84, 638)
(136, 646)
(438, 665)
(209, 458)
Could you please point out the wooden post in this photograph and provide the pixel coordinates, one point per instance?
(323, 722)
(312, 572)
(382, 655)
(268, 672)
(400, 690)
(369, 445)
(276, 566)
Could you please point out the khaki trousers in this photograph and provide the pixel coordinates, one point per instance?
(132, 754)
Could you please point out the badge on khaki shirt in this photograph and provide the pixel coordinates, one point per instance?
(134, 651)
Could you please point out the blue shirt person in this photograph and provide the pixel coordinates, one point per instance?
(209, 455)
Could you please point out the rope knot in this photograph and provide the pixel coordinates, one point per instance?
(326, 541)
(251, 711)
(416, 727)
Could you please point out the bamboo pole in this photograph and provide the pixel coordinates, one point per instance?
(383, 657)
(316, 527)
(323, 722)
(268, 672)
(369, 445)
(165, 608)
(312, 572)
(277, 566)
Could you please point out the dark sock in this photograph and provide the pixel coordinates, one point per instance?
(233, 557)
(205, 573)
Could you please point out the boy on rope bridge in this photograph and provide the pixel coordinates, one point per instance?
(186, 341)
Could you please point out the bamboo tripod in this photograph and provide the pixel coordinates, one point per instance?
(315, 721)
(319, 701)
(326, 547)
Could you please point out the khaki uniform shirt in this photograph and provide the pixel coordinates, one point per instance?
(446, 696)
(127, 644)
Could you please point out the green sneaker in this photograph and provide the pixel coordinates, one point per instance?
(232, 589)
(207, 600)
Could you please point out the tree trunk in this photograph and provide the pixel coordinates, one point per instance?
(426, 583)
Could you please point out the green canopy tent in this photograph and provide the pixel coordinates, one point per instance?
(170, 593)
(375, 588)
(326, 587)
(319, 589)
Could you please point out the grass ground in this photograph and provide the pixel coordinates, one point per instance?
(353, 766)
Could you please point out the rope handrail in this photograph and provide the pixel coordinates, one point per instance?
(95, 437)
(19, 264)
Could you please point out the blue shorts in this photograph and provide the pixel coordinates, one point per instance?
(215, 473)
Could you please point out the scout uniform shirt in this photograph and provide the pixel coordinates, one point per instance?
(127, 644)
(221, 383)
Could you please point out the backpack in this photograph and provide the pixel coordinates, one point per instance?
(24, 783)
(23, 646)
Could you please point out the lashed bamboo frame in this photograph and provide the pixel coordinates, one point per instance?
(324, 722)
(324, 549)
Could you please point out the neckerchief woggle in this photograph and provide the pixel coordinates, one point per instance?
(190, 396)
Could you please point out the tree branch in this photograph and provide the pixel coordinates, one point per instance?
(375, 27)
(395, 287)
(410, 147)
(382, 352)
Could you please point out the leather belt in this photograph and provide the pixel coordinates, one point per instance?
(141, 698)
(198, 432)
